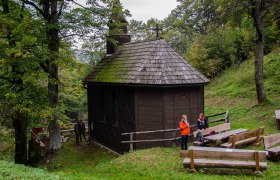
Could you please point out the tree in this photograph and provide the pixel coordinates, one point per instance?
(19, 119)
(20, 49)
(258, 9)
(258, 13)
(62, 21)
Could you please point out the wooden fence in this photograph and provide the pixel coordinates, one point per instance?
(131, 141)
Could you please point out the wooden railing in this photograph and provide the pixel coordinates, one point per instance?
(37, 139)
(131, 141)
(225, 118)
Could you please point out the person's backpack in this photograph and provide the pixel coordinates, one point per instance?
(212, 133)
(199, 137)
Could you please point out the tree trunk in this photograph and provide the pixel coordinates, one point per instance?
(258, 11)
(53, 46)
(20, 126)
(19, 120)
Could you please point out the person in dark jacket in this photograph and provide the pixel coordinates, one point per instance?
(82, 129)
(77, 132)
(202, 122)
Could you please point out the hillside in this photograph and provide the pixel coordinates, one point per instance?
(233, 90)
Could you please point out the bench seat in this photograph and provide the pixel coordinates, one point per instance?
(240, 143)
(198, 143)
(244, 138)
(275, 151)
(224, 163)
(270, 141)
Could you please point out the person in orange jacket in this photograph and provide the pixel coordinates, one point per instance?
(185, 131)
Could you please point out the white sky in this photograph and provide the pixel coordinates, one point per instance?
(146, 9)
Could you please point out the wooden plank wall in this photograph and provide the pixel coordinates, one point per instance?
(102, 116)
(162, 109)
(149, 115)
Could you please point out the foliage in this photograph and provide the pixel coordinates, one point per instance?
(72, 94)
(213, 35)
(6, 143)
(141, 31)
(26, 53)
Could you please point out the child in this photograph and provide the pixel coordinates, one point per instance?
(185, 131)
(202, 122)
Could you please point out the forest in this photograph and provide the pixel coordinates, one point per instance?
(47, 47)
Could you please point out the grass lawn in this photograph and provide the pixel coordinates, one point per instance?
(89, 162)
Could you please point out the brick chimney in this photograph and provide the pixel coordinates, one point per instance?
(117, 30)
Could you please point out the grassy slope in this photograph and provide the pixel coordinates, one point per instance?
(234, 90)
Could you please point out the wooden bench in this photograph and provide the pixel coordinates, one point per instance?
(219, 128)
(244, 138)
(208, 157)
(274, 152)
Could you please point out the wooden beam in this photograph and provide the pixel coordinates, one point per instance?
(131, 143)
(213, 115)
(257, 160)
(192, 161)
(155, 131)
(151, 140)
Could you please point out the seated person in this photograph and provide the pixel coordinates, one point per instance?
(202, 122)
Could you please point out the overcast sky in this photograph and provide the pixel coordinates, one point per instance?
(146, 9)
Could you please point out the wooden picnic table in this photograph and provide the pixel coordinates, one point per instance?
(214, 139)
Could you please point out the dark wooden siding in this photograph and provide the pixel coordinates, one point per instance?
(111, 110)
(169, 115)
(157, 109)
(149, 113)
(140, 109)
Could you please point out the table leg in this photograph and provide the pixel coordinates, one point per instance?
(213, 143)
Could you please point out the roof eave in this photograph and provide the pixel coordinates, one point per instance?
(146, 85)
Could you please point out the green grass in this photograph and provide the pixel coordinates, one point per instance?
(234, 90)
(9, 170)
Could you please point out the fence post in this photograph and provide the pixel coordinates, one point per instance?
(131, 143)
(174, 136)
(227, 117)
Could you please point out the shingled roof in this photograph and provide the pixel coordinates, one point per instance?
(146, 63)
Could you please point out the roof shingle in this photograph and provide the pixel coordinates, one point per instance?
(151, 63)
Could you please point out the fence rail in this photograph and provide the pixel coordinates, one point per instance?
(131, 141)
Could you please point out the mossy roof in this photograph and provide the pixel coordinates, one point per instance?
(150, 62)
